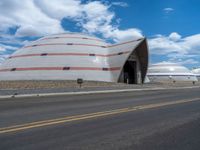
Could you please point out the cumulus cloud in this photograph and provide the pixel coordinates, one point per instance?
(59, 9)
(9, 39)
(175, 48)
(99, 20)
(188, 61)
(3, 51)
(94, 19)
(162, 45)
(3, 57)
(174, 36)
(121, 35)
(39, 18)
(36, 18)
(3, 48)
(183, 59)
(27, 17)
(174, 43)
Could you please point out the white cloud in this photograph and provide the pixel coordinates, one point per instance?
(162, 45)
(177, 49)
(3, 51)
(179, 61)
(174, 43)
(99, 20)
(28, 17)
(174, 36)
(3, 48)
(59, 9)
(168, 10)
(3, 57)
(9, 39)
(38, 18)
(122, 4)
(94, 19)
(189, 61)
(183, 59)
(35, 18)
(121, 35)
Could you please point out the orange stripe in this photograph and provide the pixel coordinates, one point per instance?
(82, 44)
(61, 68)
(63, 44)
(71, 54)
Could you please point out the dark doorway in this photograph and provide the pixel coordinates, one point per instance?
(130, 72)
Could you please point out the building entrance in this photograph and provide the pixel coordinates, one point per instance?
(130, 72)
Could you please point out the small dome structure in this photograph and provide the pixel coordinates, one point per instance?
(70, 56)
(170, 72)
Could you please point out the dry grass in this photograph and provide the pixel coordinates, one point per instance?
(73, 84)
(50, 84)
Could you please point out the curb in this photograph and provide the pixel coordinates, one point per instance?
(92, 92)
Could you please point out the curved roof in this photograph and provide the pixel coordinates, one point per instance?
(74, 34)
(70, 56)
(169, 68)
(170, 71)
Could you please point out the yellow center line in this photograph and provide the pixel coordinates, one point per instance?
(90, 116)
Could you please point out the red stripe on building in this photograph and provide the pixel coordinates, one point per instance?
(92, 45)
(60, 68)
(71, 54)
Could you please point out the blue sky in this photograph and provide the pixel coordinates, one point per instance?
(171, 27)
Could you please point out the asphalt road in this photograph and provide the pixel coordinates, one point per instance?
(145, 120)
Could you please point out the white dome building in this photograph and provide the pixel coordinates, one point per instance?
(170, 72)
(197, 72)
(70, 56)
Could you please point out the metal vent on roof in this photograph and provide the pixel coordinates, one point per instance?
(120, 53)
(43, 54)
(105, 69)
(66, 68)
(69, 43)
(13, 69)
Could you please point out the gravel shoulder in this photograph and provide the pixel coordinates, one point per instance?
(36, 87)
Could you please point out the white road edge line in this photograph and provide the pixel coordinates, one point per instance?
(92, 92)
